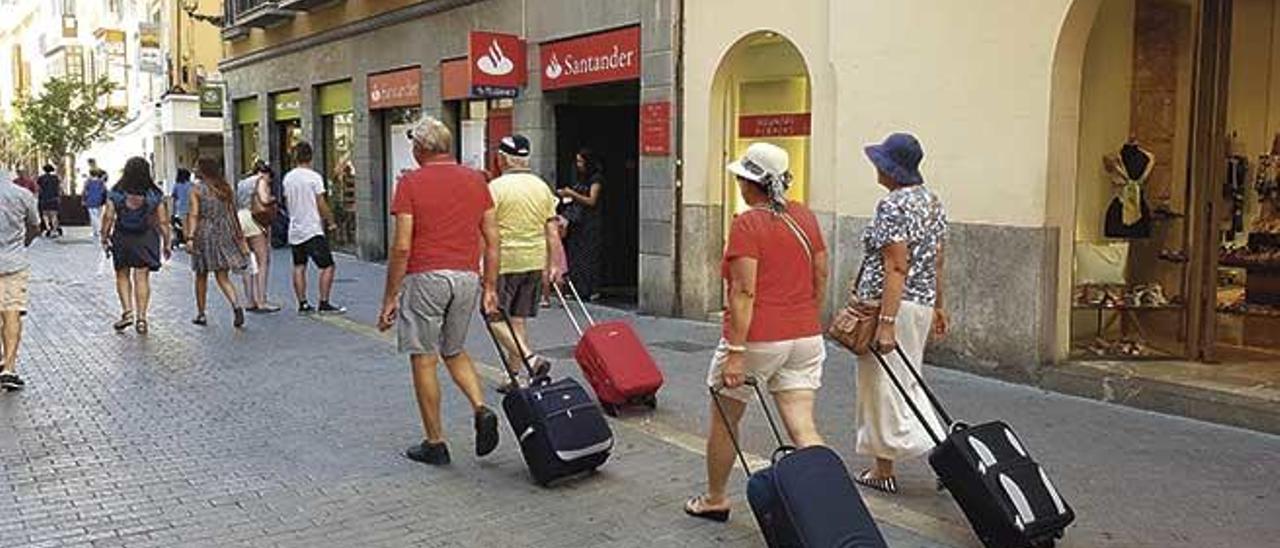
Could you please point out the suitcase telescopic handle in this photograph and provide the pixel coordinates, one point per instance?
(497, 346)
(902, 390)
(568, 310)
(737, 447)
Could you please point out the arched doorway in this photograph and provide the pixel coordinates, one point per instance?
(761, 93)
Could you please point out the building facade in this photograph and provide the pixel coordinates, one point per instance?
(1028, 112)
(349, 76)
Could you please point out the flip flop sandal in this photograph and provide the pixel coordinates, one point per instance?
(690, 508)
(200, 320)
(125, 321)
(885, 485)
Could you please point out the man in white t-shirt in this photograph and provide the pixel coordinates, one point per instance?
(309, 216)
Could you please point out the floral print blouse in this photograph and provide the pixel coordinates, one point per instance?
(913, 215)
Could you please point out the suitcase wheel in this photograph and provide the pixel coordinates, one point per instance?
(610, 409)
(650, 401)
(1046, 543)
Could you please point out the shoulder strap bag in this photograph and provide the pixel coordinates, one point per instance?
(854, 326)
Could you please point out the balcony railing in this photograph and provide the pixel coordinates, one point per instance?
(241, 14)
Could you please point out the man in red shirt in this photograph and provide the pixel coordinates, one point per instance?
(442, 213)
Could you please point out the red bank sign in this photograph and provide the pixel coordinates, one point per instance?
(497, 63)
(593, 59)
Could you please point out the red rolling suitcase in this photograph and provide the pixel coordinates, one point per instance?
(613, 359)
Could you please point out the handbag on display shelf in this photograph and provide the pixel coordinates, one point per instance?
(854, 326)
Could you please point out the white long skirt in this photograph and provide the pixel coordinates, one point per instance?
(887, 428)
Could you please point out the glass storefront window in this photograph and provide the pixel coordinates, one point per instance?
(249, 142)
(339, 174)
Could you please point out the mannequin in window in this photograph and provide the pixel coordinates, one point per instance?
(1128, 216)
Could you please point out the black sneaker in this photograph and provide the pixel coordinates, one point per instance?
(328, 308)
(486, 432)
(435, 454)
(305, 308)
(11, 381)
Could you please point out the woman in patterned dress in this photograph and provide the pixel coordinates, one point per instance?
(902, 266)
(214, 238)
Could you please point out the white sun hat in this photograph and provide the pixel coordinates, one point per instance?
(761, 161)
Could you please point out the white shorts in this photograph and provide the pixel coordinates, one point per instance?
(248, 225)
(779, 366)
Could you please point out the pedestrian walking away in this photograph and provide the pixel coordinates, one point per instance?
(309, 218)
(581, 209)
(19, 226)
(256, 189)
(136, 233)
(180, 204)
(50, 186)
(443, 211)
(775, 272)
(93, 198)
(901, 269)
(525, 209)
(215, 240)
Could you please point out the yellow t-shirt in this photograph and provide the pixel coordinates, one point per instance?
(523, 202)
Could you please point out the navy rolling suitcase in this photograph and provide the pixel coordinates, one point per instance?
(806, 498)
(1006, 496)
(561, 430)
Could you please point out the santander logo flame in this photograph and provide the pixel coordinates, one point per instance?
(495, 62)
(554, 68)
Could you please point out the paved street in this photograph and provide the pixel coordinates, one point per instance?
(290, 433)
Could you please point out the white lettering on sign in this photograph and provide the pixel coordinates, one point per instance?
(571, 65)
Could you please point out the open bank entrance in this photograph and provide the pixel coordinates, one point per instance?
(604, 119)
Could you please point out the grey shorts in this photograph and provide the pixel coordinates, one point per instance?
(520, 293)
(436, 308)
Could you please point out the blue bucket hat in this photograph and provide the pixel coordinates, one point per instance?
(899, 156)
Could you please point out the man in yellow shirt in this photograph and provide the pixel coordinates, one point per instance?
(525, 209)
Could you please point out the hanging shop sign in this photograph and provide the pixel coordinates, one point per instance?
(211, 101)
(774, 125)
(603, 57)
(402, 88)
(150, 59)
(655, 129)
(496, 64)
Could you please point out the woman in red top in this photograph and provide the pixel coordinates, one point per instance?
(775, 269)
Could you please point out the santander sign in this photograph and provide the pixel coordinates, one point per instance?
(597, 58)
(497, 62)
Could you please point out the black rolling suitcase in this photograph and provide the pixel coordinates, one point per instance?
(561, 430)
(1005, 494)
(806, 498)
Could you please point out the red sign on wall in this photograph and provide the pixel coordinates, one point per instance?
(655, 129)
(497, 62)
(402, 88)
(593, 59)
(774, 125)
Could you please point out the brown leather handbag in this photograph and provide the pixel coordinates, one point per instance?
(854, 326)
(264, 213)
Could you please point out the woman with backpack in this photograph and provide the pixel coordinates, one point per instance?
(135, 231)
(215, 239)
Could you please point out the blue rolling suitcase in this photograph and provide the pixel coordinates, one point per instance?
(806, 499)
(561, 430)
(1005, 494)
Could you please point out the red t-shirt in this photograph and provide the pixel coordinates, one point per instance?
(447, 202)
(785, 306)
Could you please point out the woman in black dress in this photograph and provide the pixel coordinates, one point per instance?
(135, 224)
(582, 210)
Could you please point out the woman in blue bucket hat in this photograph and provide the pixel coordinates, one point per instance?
(901, 268)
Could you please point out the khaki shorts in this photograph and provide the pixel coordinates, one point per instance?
(248, 225)
(779, 366)
(13, 291)
(436, 308)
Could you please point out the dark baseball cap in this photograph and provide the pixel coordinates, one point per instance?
(515, 145)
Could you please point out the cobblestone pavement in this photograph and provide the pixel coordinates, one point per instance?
(287, 434)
